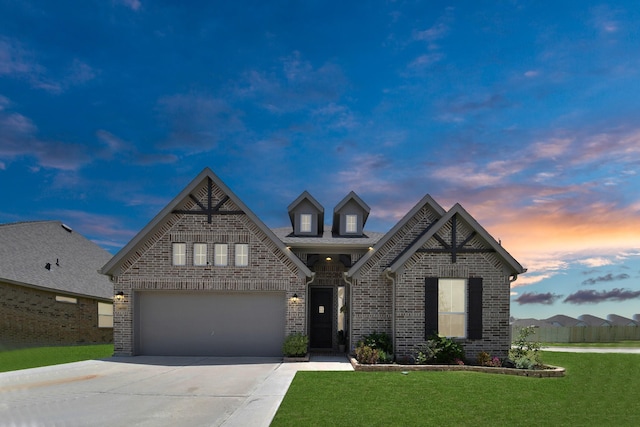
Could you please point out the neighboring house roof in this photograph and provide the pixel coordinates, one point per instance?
(113, 265)
(561, 320)
(594, 320)
(523, 323)
(457, 209)
(616, 320)
(354, 271)
(27, 247)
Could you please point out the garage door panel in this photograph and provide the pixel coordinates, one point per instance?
(211, 323)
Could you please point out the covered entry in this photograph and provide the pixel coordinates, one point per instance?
(172, 323)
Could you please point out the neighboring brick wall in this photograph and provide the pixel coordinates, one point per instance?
(150, 268)
(32, 317)
(372, 293)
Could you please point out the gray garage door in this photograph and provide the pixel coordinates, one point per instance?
(210, 323)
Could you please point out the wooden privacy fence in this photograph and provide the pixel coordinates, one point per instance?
(583, 334)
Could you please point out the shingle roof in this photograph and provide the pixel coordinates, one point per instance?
(617, 320)
(285, 234)
(27, 247)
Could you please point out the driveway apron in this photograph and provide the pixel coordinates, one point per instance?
(152, 391)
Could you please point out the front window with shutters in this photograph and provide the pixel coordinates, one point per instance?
(452, 303)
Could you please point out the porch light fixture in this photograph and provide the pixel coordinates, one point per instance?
(294, 298)
(119, 296)
(328, 258)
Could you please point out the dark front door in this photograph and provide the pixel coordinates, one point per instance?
(321, 318)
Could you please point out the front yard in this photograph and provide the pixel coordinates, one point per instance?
(598, 389)
(45, 356)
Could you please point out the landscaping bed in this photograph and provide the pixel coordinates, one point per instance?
(546, 372)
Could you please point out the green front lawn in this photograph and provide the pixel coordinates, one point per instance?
(45, 356)
(617, 344)
(598, 389)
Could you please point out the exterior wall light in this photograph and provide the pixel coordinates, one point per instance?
(119, 296)
(294, 298)
(328, 258)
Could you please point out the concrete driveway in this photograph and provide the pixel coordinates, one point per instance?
(152, 391)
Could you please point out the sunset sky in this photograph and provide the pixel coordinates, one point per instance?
(525, 112)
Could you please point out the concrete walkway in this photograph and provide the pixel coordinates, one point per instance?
(153, 391)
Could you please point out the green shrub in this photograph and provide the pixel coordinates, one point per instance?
(379, 341)
(439, 350)
(366, 355)
(525, 354)
(295, 345)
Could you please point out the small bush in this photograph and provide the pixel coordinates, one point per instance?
(439, 350)
(366, 355)
(525, 354)
(485, 359)
(378, 341)
(295, 345)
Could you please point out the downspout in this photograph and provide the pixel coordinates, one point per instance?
(387, 274)
(349, 305)
(306, 301)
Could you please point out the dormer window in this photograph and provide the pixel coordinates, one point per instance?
(305, 223)
(307, 216)
(350, 216)
(351, 224)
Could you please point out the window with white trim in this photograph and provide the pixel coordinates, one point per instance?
(221, 253)
(452, 303)
(351, 224)
(199, 254)
(305, 223)
(105, 315)
(242, 255)
(179, 253)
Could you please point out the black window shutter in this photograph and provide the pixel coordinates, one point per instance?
(430, 306)
(474, 319)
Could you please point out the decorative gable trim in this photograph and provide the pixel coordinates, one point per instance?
(451, 217)
(164, 220)
(389, 240)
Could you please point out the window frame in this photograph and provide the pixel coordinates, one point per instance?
(220, 257)
(102, 317)
(306, 226)
(176, 255)
(460, 301)
(241, 256)
(199, 258)
(353, 223)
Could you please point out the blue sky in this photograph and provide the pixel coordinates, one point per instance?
(525, 112)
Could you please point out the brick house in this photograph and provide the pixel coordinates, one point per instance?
(52, 292)
(207, 277)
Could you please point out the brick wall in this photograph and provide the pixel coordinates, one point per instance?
(150, 267)
(372, 292)
(31, 317)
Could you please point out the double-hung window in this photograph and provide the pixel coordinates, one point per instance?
(305, 223)
(199, 254)
(452, 303)
(179, 253)
(351, 224)
(221, 253)
(242, 255)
